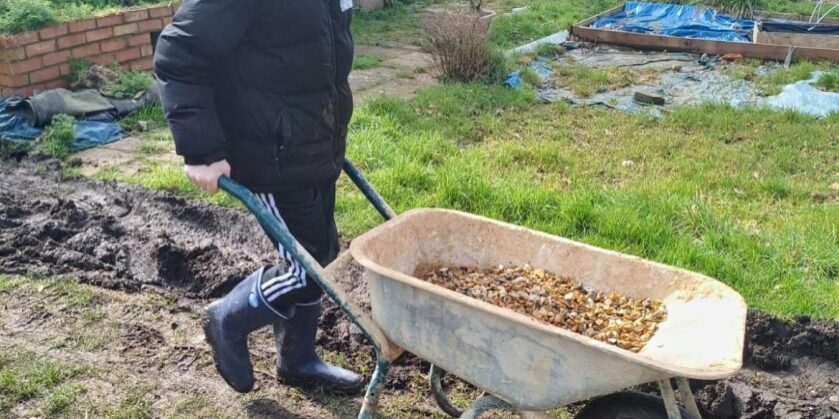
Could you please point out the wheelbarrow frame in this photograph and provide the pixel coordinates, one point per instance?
(386, 351)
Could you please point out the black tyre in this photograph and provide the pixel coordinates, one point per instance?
(627, 405)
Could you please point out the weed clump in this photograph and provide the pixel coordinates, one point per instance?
(829, 82)
(736, 8)
(128, 85)
(58, 137)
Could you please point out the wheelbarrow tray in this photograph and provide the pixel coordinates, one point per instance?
(532, 365)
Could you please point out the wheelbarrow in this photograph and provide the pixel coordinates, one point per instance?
(520, 364)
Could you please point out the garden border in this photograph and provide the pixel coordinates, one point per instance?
(40, 59)
(583, 31)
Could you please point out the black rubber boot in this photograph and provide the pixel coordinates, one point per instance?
(227, 323)
(298, 364)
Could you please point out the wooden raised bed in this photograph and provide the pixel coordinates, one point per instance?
(39, 60)
(764, 48)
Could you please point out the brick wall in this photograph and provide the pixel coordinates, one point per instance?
(39, 60)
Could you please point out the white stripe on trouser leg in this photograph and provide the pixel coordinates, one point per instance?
(295, 278)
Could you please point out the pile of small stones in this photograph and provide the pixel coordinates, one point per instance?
(628, 323)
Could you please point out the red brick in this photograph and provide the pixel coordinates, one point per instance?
(46, 74)
(175, 7)
(26, 66)
(135, 15)
(55, 84)
(57, 58)
(161, 11)
(14, 81)
(99, 34)
(69, 41)
(139, 39)
(13, 53)
(86, 51)
(126, 29)
(107, 21)
(150, 25)
(40, 48)
(146, 50)
(21, 39)
(82, 25)
(113, 44)
(53, 31)
(64, 69)
(104, 59)
(145, 63)
(128, 54)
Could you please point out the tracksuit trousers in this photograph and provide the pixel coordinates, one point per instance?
(309, 214)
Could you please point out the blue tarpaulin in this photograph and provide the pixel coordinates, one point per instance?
(89, 133)
(677, 20)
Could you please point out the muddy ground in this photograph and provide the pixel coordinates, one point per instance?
(129, 239)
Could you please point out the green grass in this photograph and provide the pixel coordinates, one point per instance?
(24, 376)
(365, 62)
(58, 136)
(61, 401)
(162, 176)
(542, 18)
(151, 115)
(718, 190)
(773, 82)
(586, 81)
(128, 84)
(23, 15)
(829, 81)
(395, 23)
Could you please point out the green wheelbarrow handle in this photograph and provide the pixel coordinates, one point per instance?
(385, 352)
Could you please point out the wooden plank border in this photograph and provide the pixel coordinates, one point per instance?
(696, 46)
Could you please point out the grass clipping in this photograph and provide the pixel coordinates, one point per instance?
(616, 319)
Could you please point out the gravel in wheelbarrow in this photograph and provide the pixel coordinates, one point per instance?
(626, 322)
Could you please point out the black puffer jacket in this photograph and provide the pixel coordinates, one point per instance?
(262, 83)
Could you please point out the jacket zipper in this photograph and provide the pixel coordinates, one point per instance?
(334, 73)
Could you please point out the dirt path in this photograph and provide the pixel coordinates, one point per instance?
(152, 259)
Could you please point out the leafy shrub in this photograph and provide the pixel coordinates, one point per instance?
(128, 85)
(25, 15)
(59, 135)
(460, 47)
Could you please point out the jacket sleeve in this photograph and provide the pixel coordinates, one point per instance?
(202, 34)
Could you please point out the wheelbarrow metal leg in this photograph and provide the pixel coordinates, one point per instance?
(434, 376)
(687, 397)
(374, 390)
(486, 402)
(669, 399)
